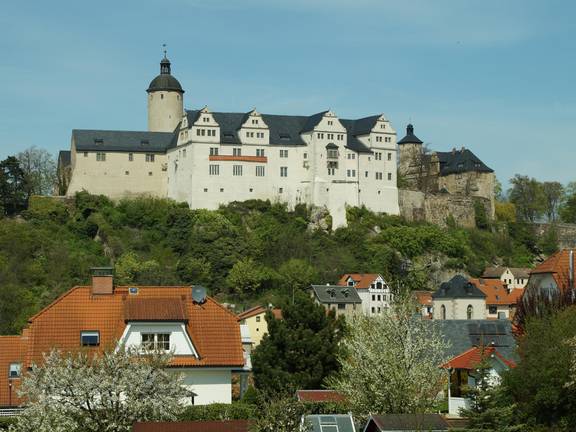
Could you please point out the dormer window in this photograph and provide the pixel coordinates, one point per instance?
(144, 142)
(254, 121)
(155, 341)
(90, 338)
(330, 122)
(15, 370)
(284, 137)
(98, 141)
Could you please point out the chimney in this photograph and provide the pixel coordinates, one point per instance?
(102, 280)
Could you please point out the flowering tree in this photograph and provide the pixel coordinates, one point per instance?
(391, 362)
(96, 393)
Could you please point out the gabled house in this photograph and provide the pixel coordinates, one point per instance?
(423, 303)
(203, 336)
(555, 275)
(344, 300)
(255, 320)
(501, 300)
(513, 277)
(406, 423)
(373, 290)
(458, 299)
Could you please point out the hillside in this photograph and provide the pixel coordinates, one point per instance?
(243, 252)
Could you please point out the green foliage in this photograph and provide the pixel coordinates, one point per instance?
(480, 215)
(568, 209)
(549, 241)
(13, 187)
(538, 383)
(527, 195)
(219, 411)
(505, 212)
(300, 350)
(6, 422)
(281, 415)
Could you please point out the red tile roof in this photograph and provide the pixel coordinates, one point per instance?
(319, 396)
(471, 358)
(154, 309)
(12, 350)
(362, 280)
(257, 310)
(558, 265)
(194, 426)
(496, 293)
(423, 298)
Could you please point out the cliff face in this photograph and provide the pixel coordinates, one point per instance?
(566, 233)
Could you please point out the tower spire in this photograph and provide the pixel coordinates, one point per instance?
(165, 63)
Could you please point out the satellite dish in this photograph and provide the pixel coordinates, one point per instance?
(198, 294)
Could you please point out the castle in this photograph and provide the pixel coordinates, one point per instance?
(208, 158)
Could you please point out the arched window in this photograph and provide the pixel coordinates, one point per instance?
(443, 312)
(469, 310)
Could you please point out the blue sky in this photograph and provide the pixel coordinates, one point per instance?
(495, 76)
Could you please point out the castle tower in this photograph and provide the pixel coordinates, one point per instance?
(165, 100)
(410, 152)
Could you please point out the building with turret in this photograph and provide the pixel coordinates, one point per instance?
(207, 158)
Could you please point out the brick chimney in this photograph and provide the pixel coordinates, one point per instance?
(102, 280)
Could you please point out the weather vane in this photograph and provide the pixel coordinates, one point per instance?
(164, 46)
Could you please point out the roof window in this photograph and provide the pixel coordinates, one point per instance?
(90, 338)
(14, 370)
(284, 136)
(98, 141)
(144, 142)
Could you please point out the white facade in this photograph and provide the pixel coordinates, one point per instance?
(459, 308)
(210, 385)
(377, 298)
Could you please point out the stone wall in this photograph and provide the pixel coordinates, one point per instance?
(566, 234)
(436, 208)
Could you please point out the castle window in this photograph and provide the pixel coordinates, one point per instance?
(320, 135)
(382, 126)
(283, 153)
(184, 153)
(378, 139)
(197, 132)
(237, 170)
(365, 173)
(469, 311)
(203, 132)
(205, 189)
(254, 121)
(161, 95)
(206, 119)
(260, 171)
(260, 152)
(126, 172)
(285, 137)
(331, 171)
(213, 151)
(149, 157)
(101, 157)
(251, 189)
(329, 122)
(389, 176)
(130, 157)
(214, 169)
(283, 171)
(378, 176)
(305, 155)
(280, 190)
(236, 151)
(85, 154)
(221, 189)
(149, 173)
(389, 156)
(330, 136)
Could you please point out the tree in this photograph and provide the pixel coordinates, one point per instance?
(104, 392)
(247, 277)
(390, 362)
(300, 350)
(526, 194)
(296, 274)
(194, 270)
(282, 415)
(568, 208)
(40, 170)
(13, 187)
(552, 193)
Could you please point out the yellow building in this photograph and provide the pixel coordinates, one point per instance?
(255, 320)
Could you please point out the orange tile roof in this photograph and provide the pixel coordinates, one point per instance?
(257, 310)
(195, 426)
(12, 349)
(496, 293)
(471, 358)
(213, 330)
(558, 265)
(319, 396)
(423, 297)
(137, 308)
(362, 280)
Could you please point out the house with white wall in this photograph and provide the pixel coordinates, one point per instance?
(513, 277)
(458, 299)
(203, 336)
(373, 290)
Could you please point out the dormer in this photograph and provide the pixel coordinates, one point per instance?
(325, 127)
(253, 129)
(204, 128)
(382, 134)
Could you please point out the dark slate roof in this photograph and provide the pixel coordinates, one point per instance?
(465, 334)
(409, 422)
(458, 287)
(127, 141)
(336, 422)
(365, 125)
(64, 158)
(164, 82)
(354, 143)
(410, 138)
(336, 294)
(458, 161)
(312, 121)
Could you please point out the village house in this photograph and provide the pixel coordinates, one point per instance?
(423, 301)
(554, 276)
(255, 320)
(458, 299)
(501, 300)
(406, 423)
(203, 336)
(513, 277)
(343, 300)
(470, 341)
(373, 290)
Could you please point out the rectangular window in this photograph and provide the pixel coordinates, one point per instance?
(283, 171)
(260, 152)
(90, 338)
(365, 173)
(15, 370)
(198, 132)
(254, 121)
(85, 154)
(332, 154)
(155, 341)
(348, 173)
(260, 171)
(101, 157)
(389, 176)
(237, 151)
(341, 306)
(213, 151)
(389, 156)
(202, 132)
(283, 153)
(214, 169)
(149, 157)
(492, 310)
(378, 176)
(184, 153)
(237, 170)
(305, 155)
(131, 157)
